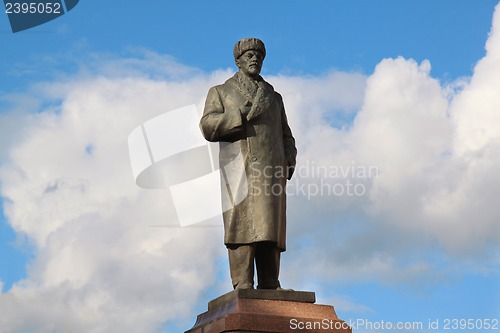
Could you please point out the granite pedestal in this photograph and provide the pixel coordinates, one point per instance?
(262, 311)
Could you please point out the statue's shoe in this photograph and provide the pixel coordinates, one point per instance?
(244, 286)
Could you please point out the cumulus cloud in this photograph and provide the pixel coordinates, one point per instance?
(435, 147)
(100, 263)
(436, 151)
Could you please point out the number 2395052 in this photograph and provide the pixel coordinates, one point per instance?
(32, 8)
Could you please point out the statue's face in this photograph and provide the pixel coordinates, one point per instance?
(250, 62)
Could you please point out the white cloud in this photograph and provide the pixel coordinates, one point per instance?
(100, 266)
(436, 149)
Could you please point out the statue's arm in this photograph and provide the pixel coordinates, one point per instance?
(219, 123)
(288, 142)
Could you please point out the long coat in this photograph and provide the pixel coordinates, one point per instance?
(257, 155)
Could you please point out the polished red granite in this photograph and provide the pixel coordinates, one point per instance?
(254, 314)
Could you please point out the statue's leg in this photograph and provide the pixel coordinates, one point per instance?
(241, 258)
(267, 260)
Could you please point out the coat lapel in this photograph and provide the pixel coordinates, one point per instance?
(259, 93)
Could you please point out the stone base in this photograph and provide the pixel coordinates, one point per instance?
(272, 311)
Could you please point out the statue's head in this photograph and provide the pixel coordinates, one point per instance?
(249, 54)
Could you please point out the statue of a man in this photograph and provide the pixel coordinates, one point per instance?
(248, 118)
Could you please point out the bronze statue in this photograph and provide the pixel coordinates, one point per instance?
(247, 117)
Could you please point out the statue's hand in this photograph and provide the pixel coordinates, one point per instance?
(246, 107)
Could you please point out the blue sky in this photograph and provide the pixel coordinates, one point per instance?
(391, 255)
(302, 38)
